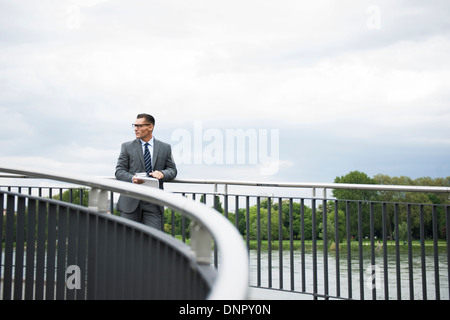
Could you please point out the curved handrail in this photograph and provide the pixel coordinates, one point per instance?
(352, 186)
(232, 278)
(316, 185)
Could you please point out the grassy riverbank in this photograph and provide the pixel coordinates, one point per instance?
(297, 244)
(403, 246)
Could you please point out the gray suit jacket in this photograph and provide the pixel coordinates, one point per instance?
(131, 161)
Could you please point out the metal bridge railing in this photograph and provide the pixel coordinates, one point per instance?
(58, 250)
(292, 249)
(355, 249)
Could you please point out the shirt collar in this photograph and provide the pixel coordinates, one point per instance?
(151, 141)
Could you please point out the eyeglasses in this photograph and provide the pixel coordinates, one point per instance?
(140, 125)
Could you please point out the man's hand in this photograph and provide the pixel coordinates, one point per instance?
(157, 174)
(138, 180)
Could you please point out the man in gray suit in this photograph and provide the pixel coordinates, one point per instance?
(144, 154)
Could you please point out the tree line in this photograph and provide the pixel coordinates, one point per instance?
(358, 204)
(397, 204)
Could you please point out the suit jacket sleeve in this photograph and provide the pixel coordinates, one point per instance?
(170, 169)
(123, 165)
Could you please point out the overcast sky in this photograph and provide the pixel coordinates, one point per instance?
(321, 88)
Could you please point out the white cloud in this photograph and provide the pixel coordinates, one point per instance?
(73, 80)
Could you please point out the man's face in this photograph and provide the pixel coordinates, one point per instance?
(143, 129)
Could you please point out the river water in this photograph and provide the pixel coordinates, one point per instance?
(378, 274)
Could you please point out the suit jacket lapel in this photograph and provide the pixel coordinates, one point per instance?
(138, 148)
(155, 152)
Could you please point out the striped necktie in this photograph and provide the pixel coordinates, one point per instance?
(148, 160)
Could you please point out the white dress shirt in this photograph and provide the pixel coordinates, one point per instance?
(150, 147)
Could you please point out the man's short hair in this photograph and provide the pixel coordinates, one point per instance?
(147, 117)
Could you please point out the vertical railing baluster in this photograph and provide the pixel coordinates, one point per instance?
(82, 250)
(349, 250)
(1, 237)
(269, 242)
(280, 242)
(129, 256)
(337, 242)
(303, 246)
(422, 253)
(40, 250)
(410, 263)
(148, 272)
(61, 255)
(436, 253)
(247, 221)
(20, 248)
(325, 248)
(51, 253)
(9, 247)
(236, 210)
(447, 232)
(183, 229)
(314, 247)
(258, 242)
(360, 252)
(172, 217)
(225, 205)
(111, 203)
(92, 258)
(31, 247)
(139, 266)
(216, 202)
(397, 252)
(372, 251)
(291, 242)
(385, 259)
(72, 246)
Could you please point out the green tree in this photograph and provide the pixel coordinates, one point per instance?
(331, 226)
(415, 197)
(355, 177)
(403, 231)
(264, 224)
(73, 196)
(357, 200)
(297, 219)
(174, 221)
(242, 223)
